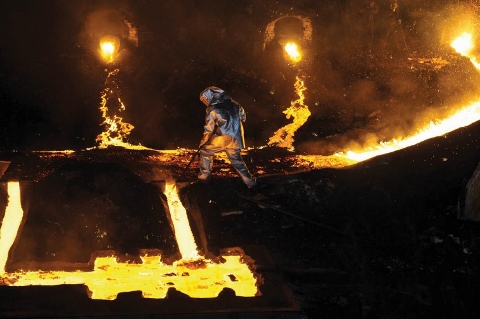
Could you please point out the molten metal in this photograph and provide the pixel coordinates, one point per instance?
(108, 49)
(293, 52)
(203, 279)
(464, 45)
(196, 277)
(10, 223)
(300, 113)
(193, 275)
(183, 232)
(459, 118)
(116, 130)
(109, 46)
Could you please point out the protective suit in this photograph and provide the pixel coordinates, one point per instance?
(223, 131)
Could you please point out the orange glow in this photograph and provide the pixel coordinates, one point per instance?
(464, 45)
(10, 223)
(322, 161)
(109, 46)
(463, 117)
(203, 279)
(116, 130)
(459, 118)
(293, 52)
(108, 49)
(183, 233)
(192, 275)
(300, 113)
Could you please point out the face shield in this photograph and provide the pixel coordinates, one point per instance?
(212, 95)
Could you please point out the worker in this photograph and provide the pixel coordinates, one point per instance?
(223, 131)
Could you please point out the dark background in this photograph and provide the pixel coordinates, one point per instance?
(361, 84)
(387, 238)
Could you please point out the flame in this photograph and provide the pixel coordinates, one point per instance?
(183, 233)
(203, 278)
(463, 117)
(460, 118)
(109, 46)
(283, 137)
(108, 49)
(293, 52)
(463, 44)
(199, 278)
(115, 129)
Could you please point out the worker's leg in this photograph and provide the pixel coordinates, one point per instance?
(205, 162)
(239, 165)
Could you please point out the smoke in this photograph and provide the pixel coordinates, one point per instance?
(393, 73)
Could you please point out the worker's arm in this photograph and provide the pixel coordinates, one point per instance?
(208, 128)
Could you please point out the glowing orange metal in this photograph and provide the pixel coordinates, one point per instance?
(283, 137)
(108, 49)
(116, 130)
(464, 45)
(11, 222)
(183, 233)
(457, 118)
(203, 279)
(293, 52)
(109, 46)
(197, 277)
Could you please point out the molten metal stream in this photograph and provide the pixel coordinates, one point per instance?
(459, 118)
(183, 232)
(283, 137)
(11, 222)
(115, 129)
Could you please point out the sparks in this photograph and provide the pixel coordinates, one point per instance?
(116, 130)
(300, 113)
(462, 117)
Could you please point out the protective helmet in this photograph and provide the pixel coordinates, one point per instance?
(212, 95)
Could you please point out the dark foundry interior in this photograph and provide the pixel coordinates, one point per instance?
(361, 131)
